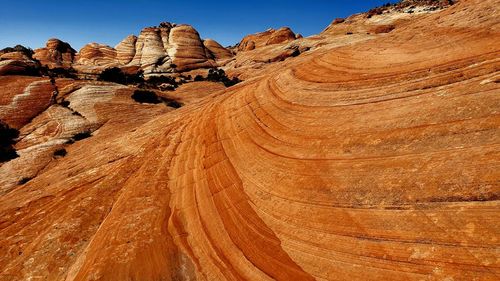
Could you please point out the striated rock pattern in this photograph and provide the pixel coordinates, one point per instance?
(216, 51)
(266, 38)
(125, 50)
(56, 54)
(16, 67)
(23, 98)
(187, 49)
(163, 49)
(16, 63)
(97, 54)
(376, 160)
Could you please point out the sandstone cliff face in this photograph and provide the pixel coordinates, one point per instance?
(266, 38)
(367, 160)
(56, 54)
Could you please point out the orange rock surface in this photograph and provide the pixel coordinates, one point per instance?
(23, 98)
(268, 37)
(375, 160)
(56, 54)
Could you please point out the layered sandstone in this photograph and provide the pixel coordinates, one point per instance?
(23, 98)
(266, 38)
(216, 50)
(374, 159)
(56, 54)
(164, 49)
(16, 62)
(125, 50)
(97, 54)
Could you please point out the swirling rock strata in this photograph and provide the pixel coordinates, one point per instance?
(371, 161)
(97, 54)
(23, 98)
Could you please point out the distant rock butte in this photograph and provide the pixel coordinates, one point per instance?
(216, 51)
(268, 37)
(56, 54)
(97, 54)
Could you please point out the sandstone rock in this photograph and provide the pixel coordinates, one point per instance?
(150, 53)
(187, 50)
(23, 98)
(56, 54)
(266, 38)
(371, 160)
(125, 50)
(17, 61)
(97, 54)
(14, 56)
(216, 50)
(170, 48)
(17, 67)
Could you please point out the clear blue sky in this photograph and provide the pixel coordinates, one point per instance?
(32, 22)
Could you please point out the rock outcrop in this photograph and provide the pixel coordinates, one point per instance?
(266, 38)
(56, 54)
(170, 48)
(163, 49)
(23, 98)
(125, 50)
(17, 61)
(371, 160)
(17, 66)
(216, 50)
(97, 54)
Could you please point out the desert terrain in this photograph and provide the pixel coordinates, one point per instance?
(370, 151)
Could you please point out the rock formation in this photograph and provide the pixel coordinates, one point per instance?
(56, 54)
(23, 98)
(17, 61)
(369, 157)
(163, 49)
(125, 50)
(266, 38)
(170, 48)
(97, 54)
(216, 51)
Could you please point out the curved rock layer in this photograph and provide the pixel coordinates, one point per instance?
(97, 54)
(23, 98)
(266, 38)
(125, 50)
(375, 161)
(56, 54)
(216, 50)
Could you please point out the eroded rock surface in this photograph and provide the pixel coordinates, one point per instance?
(371, 159)
(266, 38)
(56, 54)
